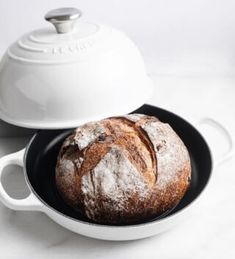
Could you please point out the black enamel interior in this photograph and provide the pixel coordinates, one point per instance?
(43, 150)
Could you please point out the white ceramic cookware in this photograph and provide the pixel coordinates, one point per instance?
(39, 158)
(76, 72)
(58, 79)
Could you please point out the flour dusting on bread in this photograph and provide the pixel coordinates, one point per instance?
(116, 178)
(123, 169)
(171, 153)
(87, 134)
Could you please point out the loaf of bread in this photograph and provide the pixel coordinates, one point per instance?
(123, 169)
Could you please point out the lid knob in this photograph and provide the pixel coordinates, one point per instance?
(63, 18)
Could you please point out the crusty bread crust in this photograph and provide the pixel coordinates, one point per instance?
(123, 169)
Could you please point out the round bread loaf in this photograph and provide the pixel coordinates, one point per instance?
(123, 169)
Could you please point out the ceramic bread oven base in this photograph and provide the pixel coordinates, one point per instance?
(39, 166)
(44, 148)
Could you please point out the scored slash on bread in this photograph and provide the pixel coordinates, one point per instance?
(123, 169)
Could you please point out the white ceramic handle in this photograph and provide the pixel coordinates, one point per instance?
(28, 203)
(225, 132)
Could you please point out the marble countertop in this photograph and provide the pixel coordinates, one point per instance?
(208, 233)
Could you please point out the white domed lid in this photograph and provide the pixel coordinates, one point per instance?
(65, 43)
(76, 72)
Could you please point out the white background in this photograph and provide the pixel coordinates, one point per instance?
(189, 50)
(178, 36)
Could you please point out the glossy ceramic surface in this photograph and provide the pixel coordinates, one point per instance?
(38, 161)
(60, 80)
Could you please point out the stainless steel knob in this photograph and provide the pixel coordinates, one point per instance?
(63, 18)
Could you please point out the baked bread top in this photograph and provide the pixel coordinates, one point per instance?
(123, 169)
